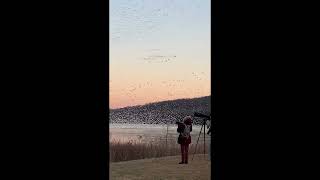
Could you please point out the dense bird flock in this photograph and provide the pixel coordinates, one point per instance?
(161, 112)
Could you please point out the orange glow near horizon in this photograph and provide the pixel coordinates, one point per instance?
(139, 91)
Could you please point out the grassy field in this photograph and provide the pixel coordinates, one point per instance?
(164, 168)
(134, 150)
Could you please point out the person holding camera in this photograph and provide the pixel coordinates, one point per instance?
(184, 139)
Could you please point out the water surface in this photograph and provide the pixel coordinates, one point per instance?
(149, 132)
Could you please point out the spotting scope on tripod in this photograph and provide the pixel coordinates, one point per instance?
(205, 118)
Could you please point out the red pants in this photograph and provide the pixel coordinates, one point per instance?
(184, 152)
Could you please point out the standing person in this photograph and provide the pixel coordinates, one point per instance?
(184, 138)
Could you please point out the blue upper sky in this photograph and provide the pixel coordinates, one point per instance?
(147, 21)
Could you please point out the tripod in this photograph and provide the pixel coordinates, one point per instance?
(204, 138)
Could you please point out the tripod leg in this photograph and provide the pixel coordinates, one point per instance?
(197, 143)
(204, 139)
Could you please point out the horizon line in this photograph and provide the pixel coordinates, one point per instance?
(156, 102)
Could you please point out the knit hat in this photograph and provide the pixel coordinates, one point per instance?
(187, 120)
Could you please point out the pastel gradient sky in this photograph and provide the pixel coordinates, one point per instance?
(159, 50)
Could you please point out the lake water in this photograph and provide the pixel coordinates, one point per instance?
(150, 132)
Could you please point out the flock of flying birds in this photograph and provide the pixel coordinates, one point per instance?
(134, 18)
(158, 59)
(173, 86)
(131, 19)
(157, 56)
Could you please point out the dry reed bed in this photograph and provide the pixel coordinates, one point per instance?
(134, 149)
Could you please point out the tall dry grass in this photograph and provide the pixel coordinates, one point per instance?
(134, 149)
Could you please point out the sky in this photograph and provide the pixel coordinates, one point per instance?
(159, 50)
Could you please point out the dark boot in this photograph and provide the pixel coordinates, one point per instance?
(182, 159)
(186, 159)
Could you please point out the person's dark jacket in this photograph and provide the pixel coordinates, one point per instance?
(180, 129)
